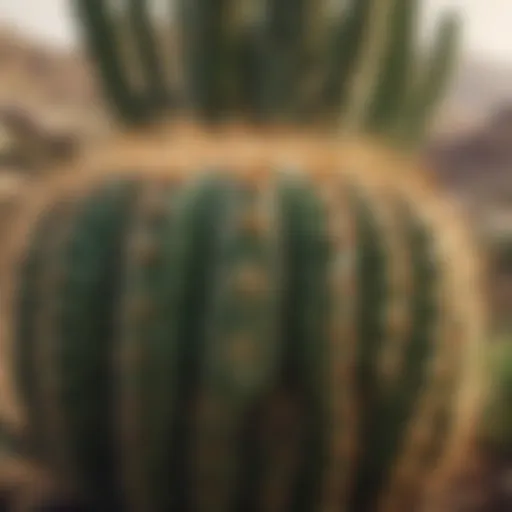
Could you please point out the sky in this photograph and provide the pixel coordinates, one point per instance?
(487, 30)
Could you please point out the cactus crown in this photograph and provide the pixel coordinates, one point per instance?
(287, 61)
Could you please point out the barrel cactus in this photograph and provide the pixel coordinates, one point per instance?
(250, 314)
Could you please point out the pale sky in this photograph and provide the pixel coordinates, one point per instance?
(488, 23)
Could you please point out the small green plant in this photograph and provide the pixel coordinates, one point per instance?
(497, 419)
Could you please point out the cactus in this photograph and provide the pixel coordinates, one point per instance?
(200, 341)
(395, 67)
(139, 18)
(251, 317)
(438, 73)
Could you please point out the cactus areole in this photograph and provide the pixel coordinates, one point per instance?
(246, 316)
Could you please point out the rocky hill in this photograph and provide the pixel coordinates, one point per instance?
(46, 97)
(479, 89)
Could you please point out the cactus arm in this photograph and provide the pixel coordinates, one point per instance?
(367, 71)
(239, 58)
(287, 64)
(248, 59)
(280, 46)
(431, 86)
(97, 30)
(395, 67)
(272, 48)
(268, 59)
(186, 13)
(345, 40)
(147, 41)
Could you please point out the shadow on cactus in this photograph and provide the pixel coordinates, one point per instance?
(259, 314)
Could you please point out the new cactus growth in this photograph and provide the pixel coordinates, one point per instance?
(254, 317)
(256, 59)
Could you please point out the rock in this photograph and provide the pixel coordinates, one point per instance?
(11, 186)
(63, 146)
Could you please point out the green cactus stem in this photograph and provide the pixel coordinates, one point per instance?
(254, 318)
(428, 87)
(147, 42)
(278, 62)
(496, 429)
(346, 36)
(99, 39)
(395, 66)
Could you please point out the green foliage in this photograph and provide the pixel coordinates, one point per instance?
(227, 342)
(428, 90)
(100, 41)
(279, 62)
(147, 46)
(497, 424)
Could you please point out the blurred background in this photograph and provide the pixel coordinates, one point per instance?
(50, 108)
